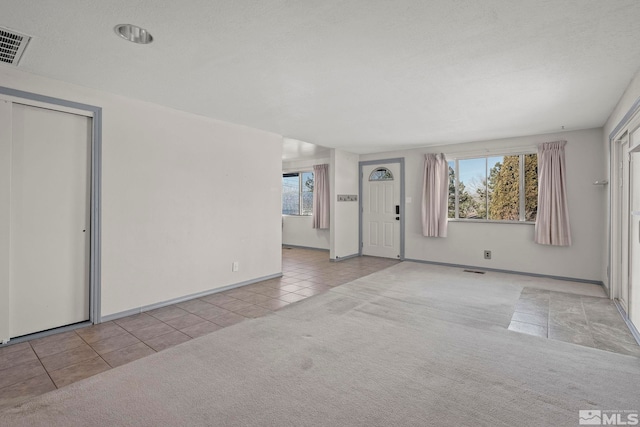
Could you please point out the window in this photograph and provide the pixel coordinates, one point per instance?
(381, 174)
(297, 193)
(496, 188)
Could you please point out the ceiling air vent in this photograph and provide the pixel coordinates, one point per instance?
(12, 45)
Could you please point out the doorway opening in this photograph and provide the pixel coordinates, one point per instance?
(624, 270)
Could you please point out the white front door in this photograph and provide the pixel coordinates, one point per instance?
(49, 219)
(381, 210)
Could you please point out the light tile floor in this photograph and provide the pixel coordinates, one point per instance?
(38, 366)
(577, 319)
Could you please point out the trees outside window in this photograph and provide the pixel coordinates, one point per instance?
(297, 193)
(496, 188)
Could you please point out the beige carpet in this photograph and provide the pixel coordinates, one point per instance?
(411, 345)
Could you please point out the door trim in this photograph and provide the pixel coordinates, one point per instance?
(95, 112)
(622, 157)
(614, 137)
(399, 160)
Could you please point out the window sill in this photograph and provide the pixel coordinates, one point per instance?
(489, 221)
(297, 216)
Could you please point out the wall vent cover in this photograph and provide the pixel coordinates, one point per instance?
(474, 271)
(12, 46)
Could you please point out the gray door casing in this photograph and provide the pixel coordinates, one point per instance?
(95, 200)
(382, 162)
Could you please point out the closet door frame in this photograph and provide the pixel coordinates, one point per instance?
(95, 113)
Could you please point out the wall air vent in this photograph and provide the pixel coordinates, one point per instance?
(474, 271)
(12, 46)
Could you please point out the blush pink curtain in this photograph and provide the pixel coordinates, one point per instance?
(435, 189)
(552, 222)
(321, 196)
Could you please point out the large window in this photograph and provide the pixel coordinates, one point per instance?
(497, 188)
(297, 193)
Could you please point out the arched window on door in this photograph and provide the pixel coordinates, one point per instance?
(381, 174)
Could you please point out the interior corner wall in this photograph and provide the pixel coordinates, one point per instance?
(626, 102)
(183, 197)
(344, 221)
(298, 230)
(512, 245)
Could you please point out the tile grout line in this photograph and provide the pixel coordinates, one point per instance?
(127, 346)
(549, 316)
(43, 367)
(96, 351)
(586, 318)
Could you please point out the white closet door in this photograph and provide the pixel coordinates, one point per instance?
(50, 196)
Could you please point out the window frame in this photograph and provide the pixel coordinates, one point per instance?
(521, 185)
(380, 169)
(299, 173)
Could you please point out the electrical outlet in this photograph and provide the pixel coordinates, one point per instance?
(235, 266)
(487, 254)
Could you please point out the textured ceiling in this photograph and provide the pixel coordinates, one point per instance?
(293, 149)
(361, 75)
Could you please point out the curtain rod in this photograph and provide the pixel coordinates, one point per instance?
(523, 149)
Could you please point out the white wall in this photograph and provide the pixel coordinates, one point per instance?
(298, 230)
(183, 197)
(512, 245)
(631, 95)
(344, 215)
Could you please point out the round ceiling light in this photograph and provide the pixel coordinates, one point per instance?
(133, 33)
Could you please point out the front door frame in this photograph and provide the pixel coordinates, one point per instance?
(95, 315)
(382, 162)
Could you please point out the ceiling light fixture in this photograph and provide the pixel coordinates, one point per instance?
(133, 33)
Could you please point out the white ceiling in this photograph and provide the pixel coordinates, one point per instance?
(360, 75)
(293, 149)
